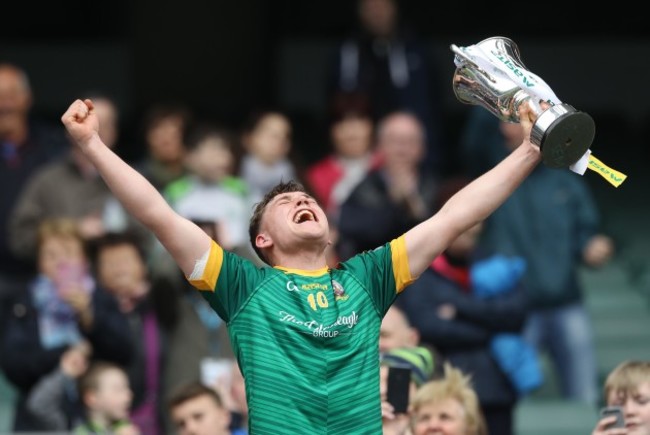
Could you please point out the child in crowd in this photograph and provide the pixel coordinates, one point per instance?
(106, 396)
(198, 410)
(267, 142)
(628, 387)
(213, 164)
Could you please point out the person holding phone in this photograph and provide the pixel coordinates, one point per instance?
(300, 327)
(627, 395)
(403, 370)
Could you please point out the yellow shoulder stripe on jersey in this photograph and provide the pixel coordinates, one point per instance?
(401, 269)
(208, 281)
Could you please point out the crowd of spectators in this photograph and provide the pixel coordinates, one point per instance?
(99, 330)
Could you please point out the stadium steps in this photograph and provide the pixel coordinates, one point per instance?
(554, 417)
(620, 314)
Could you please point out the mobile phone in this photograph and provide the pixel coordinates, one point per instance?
(613, 410)
(397, 388)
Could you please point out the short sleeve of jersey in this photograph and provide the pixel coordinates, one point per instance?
(227, 281)
(384, 272)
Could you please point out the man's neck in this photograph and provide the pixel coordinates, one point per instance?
(305, 260)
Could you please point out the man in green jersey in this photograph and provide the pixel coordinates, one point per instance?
(306, 336)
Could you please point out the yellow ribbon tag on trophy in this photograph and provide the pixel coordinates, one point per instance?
(612, 176)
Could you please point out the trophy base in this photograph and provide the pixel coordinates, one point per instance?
(563, 135)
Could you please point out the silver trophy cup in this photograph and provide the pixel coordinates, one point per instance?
(563, 133)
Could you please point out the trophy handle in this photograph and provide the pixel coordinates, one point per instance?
(460, 53)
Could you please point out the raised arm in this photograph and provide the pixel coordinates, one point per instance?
(183, 239)
(472, 204)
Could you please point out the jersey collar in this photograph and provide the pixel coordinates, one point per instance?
(317, 272)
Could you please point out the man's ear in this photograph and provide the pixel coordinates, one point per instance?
(263, 241)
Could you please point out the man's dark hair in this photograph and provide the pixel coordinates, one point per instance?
(191, 391)
(260, 207)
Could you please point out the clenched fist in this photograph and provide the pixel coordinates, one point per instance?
(81, 122)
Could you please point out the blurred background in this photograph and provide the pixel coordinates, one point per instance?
(224, 59)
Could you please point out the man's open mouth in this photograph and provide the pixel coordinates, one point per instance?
(304, 216)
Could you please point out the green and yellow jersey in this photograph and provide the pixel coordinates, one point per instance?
(307, 342)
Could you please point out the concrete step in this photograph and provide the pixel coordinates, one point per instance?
(553, 417)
